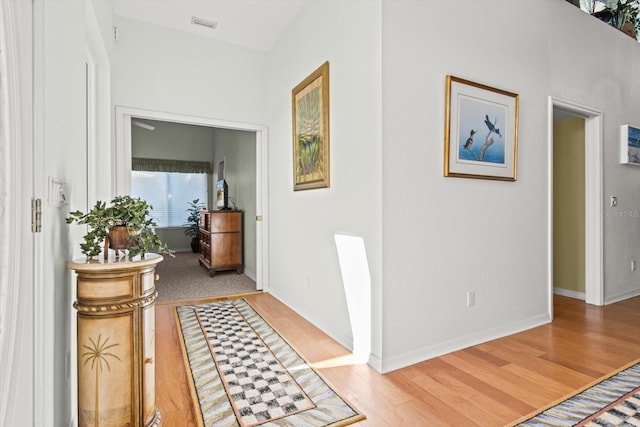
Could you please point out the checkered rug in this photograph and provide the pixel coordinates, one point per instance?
(245, 374)
(614, 401)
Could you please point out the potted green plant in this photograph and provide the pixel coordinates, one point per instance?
(622, 15)
(124, 224)
(193, 223)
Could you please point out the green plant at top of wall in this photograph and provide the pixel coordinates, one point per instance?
(621, 14)
(132, 213)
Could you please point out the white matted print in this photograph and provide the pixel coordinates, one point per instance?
(630, 145)
(481, 131)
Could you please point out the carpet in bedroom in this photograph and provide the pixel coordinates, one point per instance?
(183, 278)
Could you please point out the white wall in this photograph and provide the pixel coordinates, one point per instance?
(175, 141)
(305, 271)
(164, 70)
(99, 41)
(171, 71)
(238, 148)
(64, 158)
(159, 69)
(172, 141)
(611, 85)
(446, 236)
(428, 239)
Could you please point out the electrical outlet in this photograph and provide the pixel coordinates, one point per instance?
(471, 298)
(633, 265)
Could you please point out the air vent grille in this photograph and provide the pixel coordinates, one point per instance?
(205, 23)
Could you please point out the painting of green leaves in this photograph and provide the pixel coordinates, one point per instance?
(310, 101)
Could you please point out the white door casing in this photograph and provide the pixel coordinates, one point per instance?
(122, 169)
(594, 260)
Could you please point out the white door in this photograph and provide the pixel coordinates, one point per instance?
(18, 399)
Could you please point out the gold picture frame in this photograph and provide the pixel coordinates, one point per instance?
(310, 106)
(492, 114)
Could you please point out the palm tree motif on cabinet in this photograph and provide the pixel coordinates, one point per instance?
(98, 353)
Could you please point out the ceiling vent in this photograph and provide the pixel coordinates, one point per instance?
(199, 21)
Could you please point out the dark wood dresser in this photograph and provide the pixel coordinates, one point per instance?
(221, 240)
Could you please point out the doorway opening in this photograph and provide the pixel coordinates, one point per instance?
(122, 172)
(591, 197)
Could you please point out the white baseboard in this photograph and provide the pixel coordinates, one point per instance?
(620, 297)
(182, 250)
(410, 358)
(430, 352)
(571, 294)
(250, 274)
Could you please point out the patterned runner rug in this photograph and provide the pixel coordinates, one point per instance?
(244, 374)
(614, 401)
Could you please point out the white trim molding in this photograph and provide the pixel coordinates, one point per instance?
(594, 240)
(122, 169)
(21, 399)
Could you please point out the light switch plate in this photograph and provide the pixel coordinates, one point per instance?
(58, 195)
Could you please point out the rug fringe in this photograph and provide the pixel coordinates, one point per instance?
(572, 394)
(187, 365)
(208, 299)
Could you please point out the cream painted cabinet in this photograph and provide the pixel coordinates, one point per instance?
(116, 342)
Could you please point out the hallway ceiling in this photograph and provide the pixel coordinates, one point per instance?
(255, 24)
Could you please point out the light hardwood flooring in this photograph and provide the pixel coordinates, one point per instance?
(491, 384)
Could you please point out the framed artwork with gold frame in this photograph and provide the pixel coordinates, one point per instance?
(481, 131)
(310, 106)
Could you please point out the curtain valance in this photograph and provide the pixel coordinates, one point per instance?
(164, 165)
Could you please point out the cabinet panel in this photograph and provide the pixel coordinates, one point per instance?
(105, 371)
(147, 281)
(221, 239)
(149, 362)
(226, 249)
(226, 222)
(97, 289)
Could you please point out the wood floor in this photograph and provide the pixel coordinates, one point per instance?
(492, 384)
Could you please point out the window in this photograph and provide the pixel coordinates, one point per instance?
(169, 193)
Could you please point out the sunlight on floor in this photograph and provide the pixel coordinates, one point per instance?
(357, 286)
(347, 359)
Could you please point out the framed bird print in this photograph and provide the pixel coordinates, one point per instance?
(481, 131)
